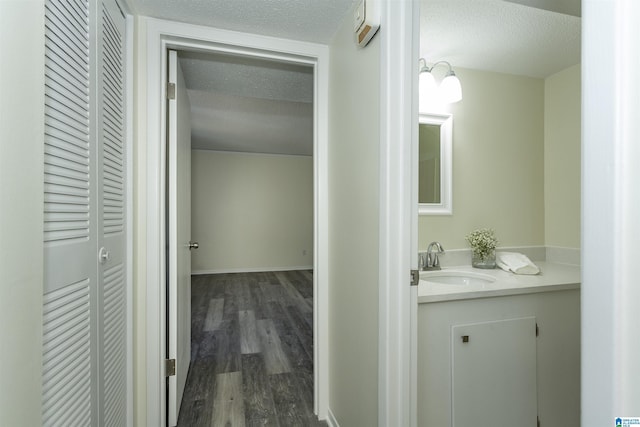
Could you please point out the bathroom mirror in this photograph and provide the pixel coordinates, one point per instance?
(435, 164)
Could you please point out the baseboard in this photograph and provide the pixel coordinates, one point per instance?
(331, 419)
(251, 269)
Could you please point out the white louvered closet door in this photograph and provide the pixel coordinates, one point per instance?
(111, 215)
(84, 342)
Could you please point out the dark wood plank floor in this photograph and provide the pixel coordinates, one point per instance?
(251, 351)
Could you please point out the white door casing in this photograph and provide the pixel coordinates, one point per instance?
(397, 343)
(85, 295)
(179, 216)
(163, 35)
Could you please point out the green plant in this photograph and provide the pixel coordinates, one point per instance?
(482, 241)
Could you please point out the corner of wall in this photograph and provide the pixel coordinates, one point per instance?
(21, 216)
(562, 157)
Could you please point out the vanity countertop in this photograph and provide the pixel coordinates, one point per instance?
(552, 277)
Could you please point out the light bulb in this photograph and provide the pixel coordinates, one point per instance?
(450, 88)
(427, 89)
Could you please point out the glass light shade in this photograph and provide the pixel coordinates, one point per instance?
(450, 89)
(427, 89)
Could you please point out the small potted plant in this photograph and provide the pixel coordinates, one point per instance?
(483, 244)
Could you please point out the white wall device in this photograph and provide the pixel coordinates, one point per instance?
(366, 21)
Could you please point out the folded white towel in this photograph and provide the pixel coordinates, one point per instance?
(516, 262)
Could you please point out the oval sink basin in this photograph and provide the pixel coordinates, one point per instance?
(464, 278)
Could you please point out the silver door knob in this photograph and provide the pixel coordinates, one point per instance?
(103, 255)
(193, 245)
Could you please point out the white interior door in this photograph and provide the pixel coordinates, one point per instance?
(69, 395)
(179, 235)
(112, 291)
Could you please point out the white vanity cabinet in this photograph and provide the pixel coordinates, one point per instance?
(480, 362)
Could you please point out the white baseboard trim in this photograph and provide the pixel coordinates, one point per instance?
(251, 269)
(331, 419)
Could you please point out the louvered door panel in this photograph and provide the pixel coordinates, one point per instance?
(67, 362)
(111, 164)
(112, 75)
(67, 147)
(85, 301)
(69, 325)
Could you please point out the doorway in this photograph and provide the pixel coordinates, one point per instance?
(240, 183)
(162, 36)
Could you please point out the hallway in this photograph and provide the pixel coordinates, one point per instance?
(251, 351)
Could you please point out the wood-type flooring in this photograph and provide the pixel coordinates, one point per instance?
(251, 351)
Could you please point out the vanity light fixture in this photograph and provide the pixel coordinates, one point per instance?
(449, 90)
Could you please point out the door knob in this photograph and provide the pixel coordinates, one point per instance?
(193, 245)
(103, 255)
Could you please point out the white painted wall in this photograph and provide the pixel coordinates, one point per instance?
(251, 212)
(562, 98)
(353, 229)
(530, 165)
(498, 162)
(21, 206)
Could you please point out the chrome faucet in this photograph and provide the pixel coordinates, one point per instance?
(433, 263)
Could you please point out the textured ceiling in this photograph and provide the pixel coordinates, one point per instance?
(242, 104)
(248, 77)
(305, 20)
(500, 36)
(235, 123)
(249, 105)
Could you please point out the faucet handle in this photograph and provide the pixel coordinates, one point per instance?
(436, 261)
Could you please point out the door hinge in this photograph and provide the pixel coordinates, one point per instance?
(537, 330)
(171, 91)
(169, 367)
(415, 277)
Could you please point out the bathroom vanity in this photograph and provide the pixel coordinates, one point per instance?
(500, 351)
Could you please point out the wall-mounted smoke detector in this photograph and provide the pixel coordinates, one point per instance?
(366, 21)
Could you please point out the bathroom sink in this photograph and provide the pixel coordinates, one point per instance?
(464, 278)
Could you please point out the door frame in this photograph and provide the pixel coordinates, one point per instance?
(398, 301)
(160, 36)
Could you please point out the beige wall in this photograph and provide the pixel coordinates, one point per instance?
(498, 162)
(21, 217)
(251, 211)
(562, 130)
(353, 229)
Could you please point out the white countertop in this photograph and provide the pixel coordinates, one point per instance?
(552, 277)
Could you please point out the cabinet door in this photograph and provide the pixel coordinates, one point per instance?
(494, 374)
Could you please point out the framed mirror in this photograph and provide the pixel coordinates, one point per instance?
(435, 164)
